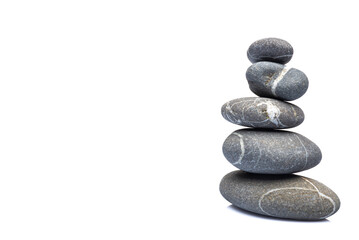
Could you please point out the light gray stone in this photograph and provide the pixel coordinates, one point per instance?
(270, 49)
(270, 151)
(262, 113)
(283, 196)
(273, 80)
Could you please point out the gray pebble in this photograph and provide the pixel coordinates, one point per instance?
(283, 196)
(270, 49)
(270, 151)
(274, 80)
(262, 113)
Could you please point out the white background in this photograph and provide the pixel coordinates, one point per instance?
(110, 122)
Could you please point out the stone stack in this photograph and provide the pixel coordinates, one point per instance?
(267, 156)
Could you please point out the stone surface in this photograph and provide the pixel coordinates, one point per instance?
(274, 80)
(270, 151)
(284, 196)
(262, 113)
(270, 49)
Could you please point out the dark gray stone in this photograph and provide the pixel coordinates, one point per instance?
(274, 80)
(270, 151)
(270, 49)
(262, 113)
(283, 196)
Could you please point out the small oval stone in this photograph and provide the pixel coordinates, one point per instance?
(262, 113)
(283, 196)
(270, 49)
(274, 80)
(270, 151)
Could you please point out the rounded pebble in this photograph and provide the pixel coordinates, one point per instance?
(274, 80)
(270, 151)
(270, 49)
(262, 113)
(283, 196)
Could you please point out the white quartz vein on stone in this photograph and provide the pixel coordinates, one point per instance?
(245, 108)
(322, 195)
(229, 109)
(273, 113)
(306, 152)
(278, 79)
(242, 148)
(278, 189)
(272, 110)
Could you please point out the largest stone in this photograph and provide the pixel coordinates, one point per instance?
(283, 196)
(270, 151)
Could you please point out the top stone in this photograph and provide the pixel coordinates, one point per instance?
(271, 50)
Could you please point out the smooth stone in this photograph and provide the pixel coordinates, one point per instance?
(274, 80)
(270, 151)
(270, 49)
(262, 113)
(283, 196)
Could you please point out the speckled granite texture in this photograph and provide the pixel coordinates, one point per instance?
(285, 196)
(270, 151)
(273, 80)
(262, 113)
(270, 49)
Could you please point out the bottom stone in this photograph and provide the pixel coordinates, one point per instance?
(283, 196)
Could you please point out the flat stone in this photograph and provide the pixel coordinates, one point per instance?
(283, 196)
(274, 80)
(270, 49)
(270, 151)
(262, 113)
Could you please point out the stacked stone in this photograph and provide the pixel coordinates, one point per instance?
(267, 156)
